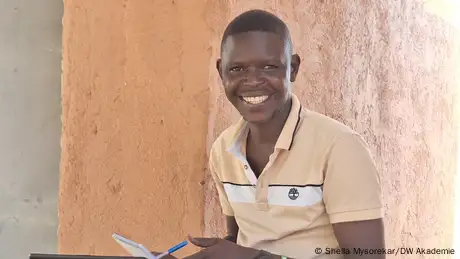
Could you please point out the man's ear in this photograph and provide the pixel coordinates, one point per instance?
(219, 67)
(295, 64)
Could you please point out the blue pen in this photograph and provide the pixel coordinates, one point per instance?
(173, 249)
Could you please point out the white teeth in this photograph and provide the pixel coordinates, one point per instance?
(255, 99)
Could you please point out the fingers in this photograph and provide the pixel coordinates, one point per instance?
(203, 242)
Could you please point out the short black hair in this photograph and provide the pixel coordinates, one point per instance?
(257, 20)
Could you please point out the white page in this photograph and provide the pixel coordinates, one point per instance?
(133, 248)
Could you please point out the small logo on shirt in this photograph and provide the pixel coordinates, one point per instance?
(293, 194)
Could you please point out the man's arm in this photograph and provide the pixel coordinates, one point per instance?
(367, 234)
(227, 209)
(232, 229)
(352, 196)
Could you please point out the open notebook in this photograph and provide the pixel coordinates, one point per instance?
(133, 248)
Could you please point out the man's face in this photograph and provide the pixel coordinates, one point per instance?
(256, 70)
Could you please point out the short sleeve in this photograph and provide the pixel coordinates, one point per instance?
(226, 207)
(352, 190)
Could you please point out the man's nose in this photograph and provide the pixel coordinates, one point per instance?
(253, 77)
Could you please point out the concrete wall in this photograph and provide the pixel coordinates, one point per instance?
(142, 104)
(30, 127)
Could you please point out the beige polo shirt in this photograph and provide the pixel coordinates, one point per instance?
(320, 173)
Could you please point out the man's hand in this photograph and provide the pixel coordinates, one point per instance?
(221, 249)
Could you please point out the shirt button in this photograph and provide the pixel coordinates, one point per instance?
(245, 167)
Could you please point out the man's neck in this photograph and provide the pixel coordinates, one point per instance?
(268, 132)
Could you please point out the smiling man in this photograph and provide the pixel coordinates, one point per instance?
(292, 183)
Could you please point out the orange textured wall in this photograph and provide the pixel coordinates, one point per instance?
(142, 105)
(135, 108)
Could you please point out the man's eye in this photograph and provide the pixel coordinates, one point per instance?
(236, 69)
(269, 67)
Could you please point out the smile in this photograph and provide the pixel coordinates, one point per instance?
(255, 99)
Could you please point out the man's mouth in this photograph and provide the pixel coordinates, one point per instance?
(255, 99)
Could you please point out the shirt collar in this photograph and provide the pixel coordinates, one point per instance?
(286, 137)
